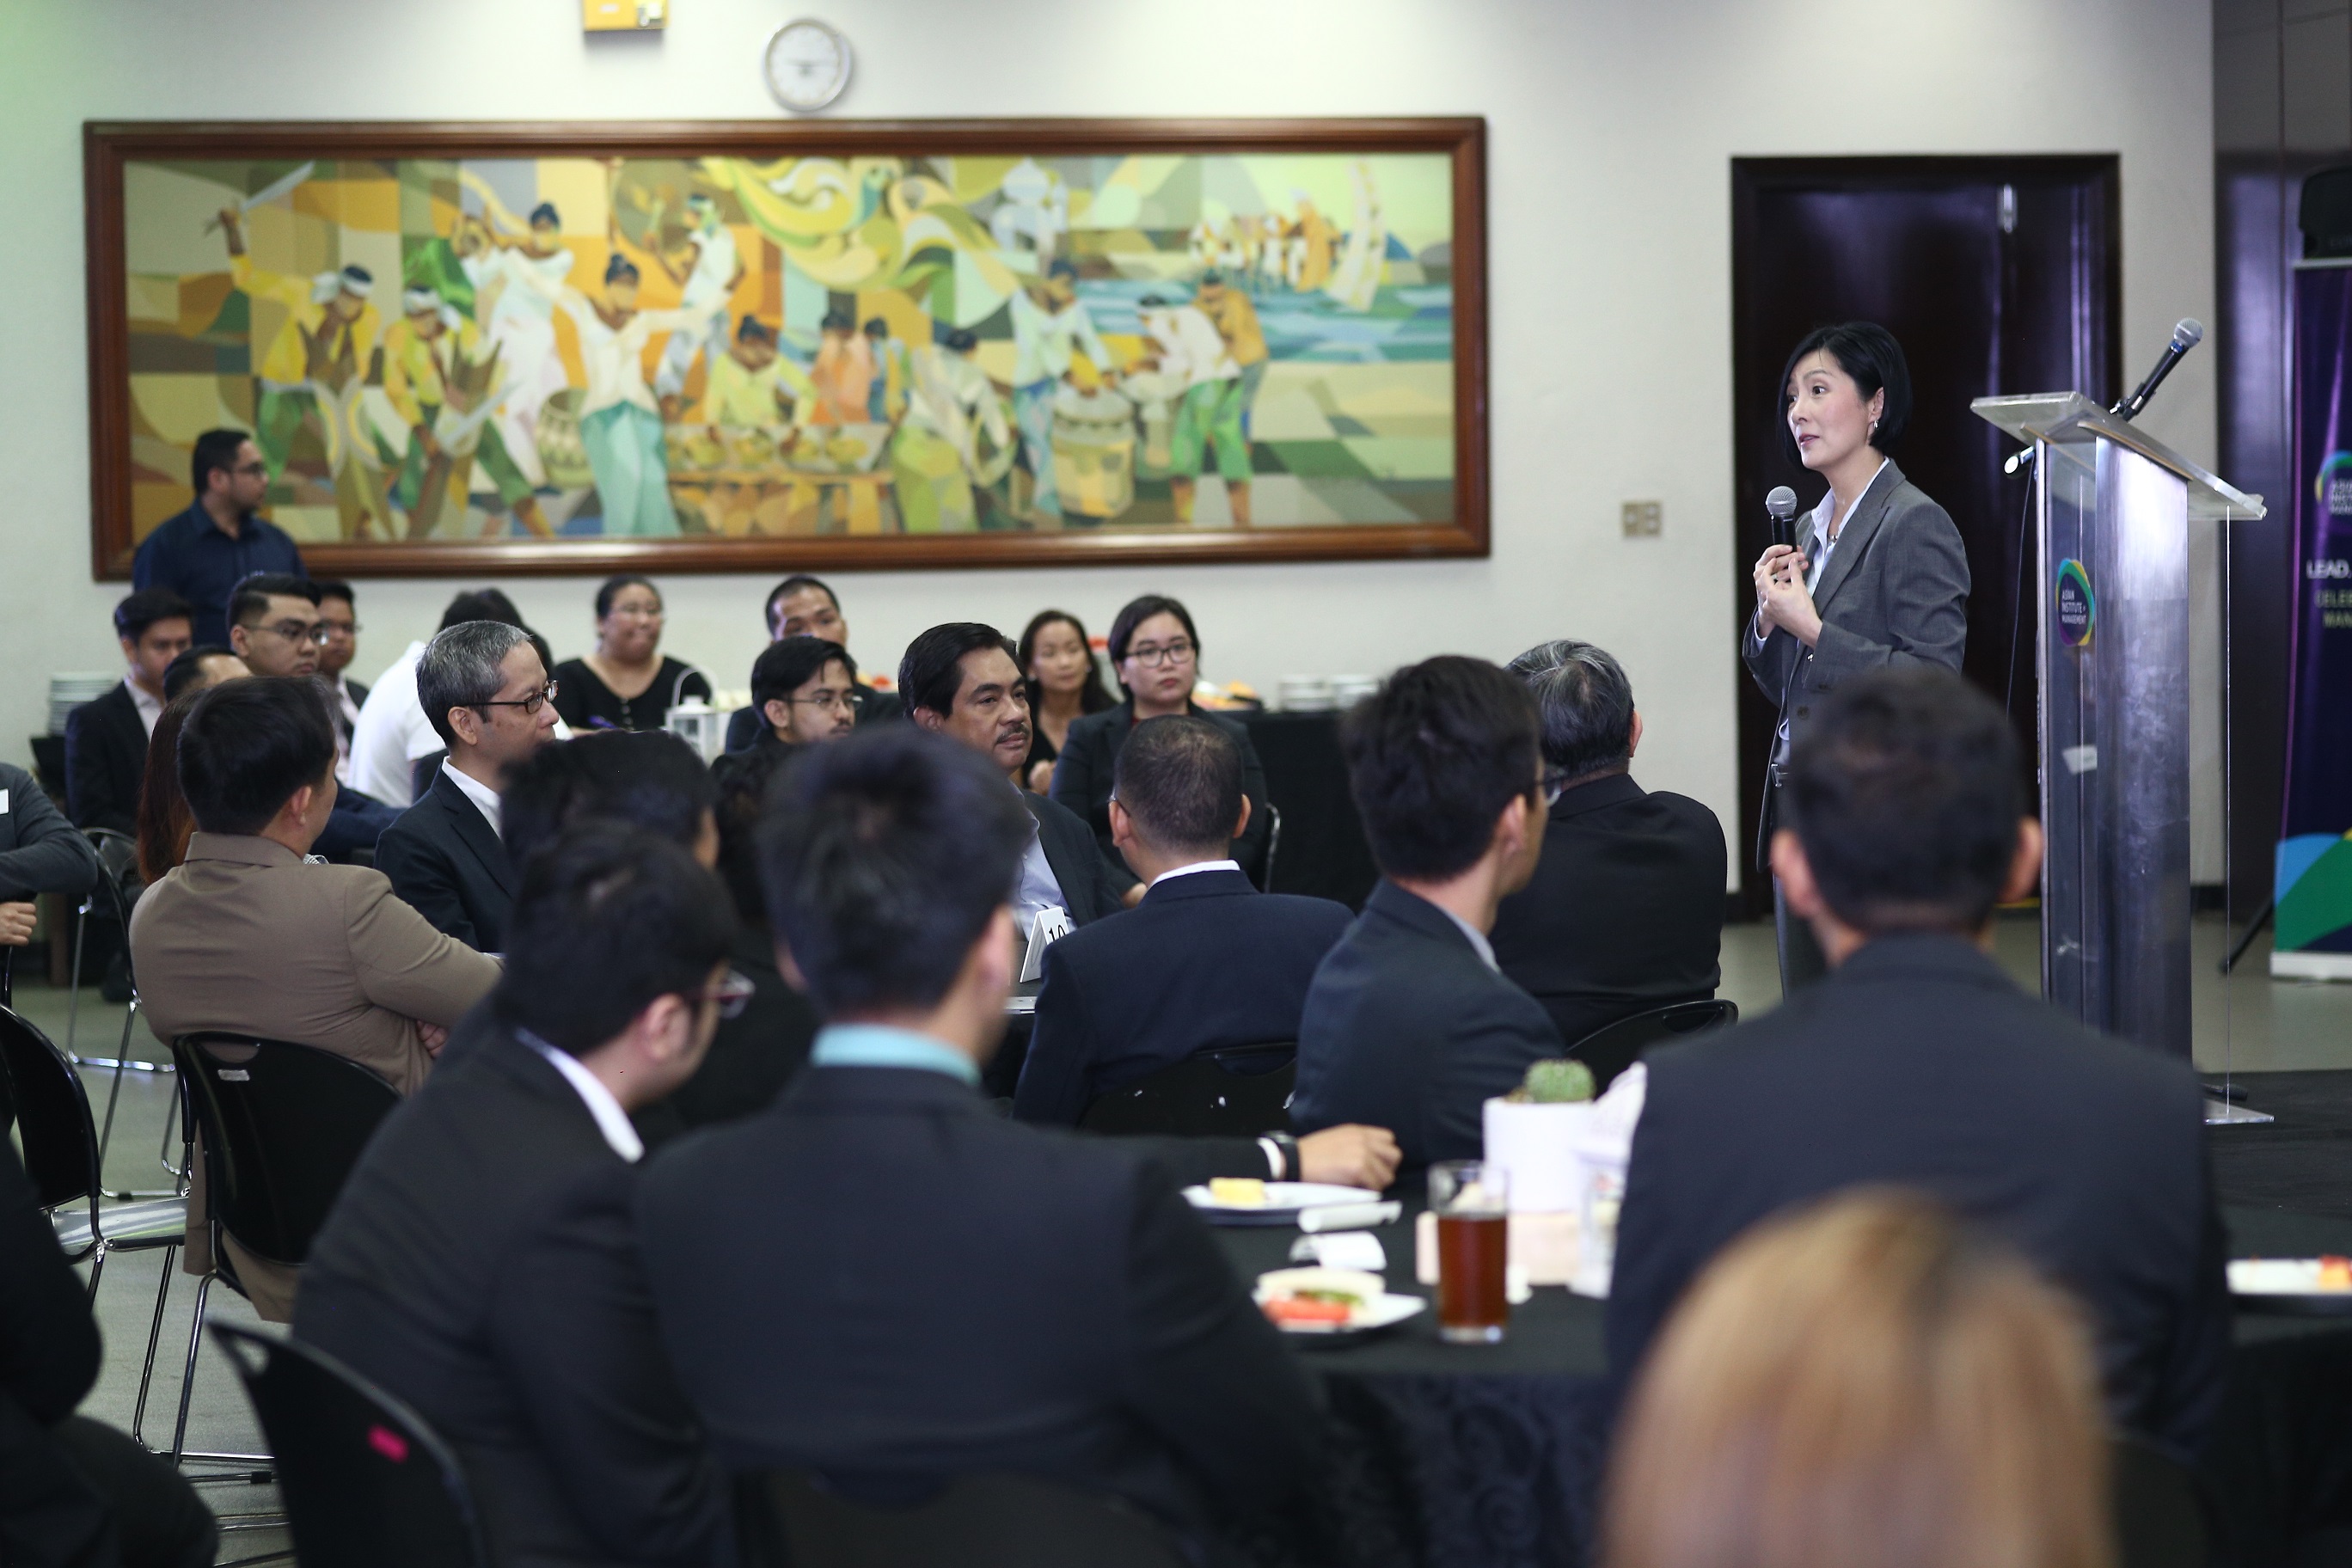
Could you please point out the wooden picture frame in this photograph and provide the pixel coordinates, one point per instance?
(209, 329)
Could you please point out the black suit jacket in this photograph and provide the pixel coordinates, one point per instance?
(1918, 1063)
(983, 1297)
(752, 1056)
(1082, 778)
(1205, 961)
(106, 757)
(1092, 887)
(473, 1266)
(443, 857)
(1407, 1029)
(1626, 913)
(48, 1359)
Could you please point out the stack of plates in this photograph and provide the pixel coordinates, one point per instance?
(1305, 694)
(67, 692)
(1347, 690)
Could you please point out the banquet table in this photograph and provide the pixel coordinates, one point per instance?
(1442, 1456)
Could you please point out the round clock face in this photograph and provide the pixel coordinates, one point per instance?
(807, 65)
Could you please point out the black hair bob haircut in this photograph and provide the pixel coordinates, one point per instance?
(1869, 354)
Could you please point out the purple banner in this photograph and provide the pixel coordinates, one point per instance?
(2315, 855)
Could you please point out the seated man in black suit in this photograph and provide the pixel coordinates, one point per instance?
(1409, 1025)
(961, 680)
(1918, 1063)
(106, 739)
(448, 1272)
(1626, 913)
(487, 696)
(804, 691)
(1205, 961)
(880, 1280)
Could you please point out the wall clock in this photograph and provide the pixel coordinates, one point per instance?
(807, 65)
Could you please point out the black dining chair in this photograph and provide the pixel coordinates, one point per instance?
(1239, 1091)
(367, 1483)
(785, 1519)
(119, 889)
(282, 1125)
(1611, 1049)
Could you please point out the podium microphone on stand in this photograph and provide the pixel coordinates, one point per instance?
(2187, 334)
(1782, 504)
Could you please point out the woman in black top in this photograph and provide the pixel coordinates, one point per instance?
(1065, 686)
(625, 684)
(1156, 654)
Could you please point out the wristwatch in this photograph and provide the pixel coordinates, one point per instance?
(1281, 1155)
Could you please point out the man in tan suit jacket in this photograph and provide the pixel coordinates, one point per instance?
(247, 937)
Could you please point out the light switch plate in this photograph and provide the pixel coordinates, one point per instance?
(1643, 519)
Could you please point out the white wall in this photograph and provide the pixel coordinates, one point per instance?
(1610, 127)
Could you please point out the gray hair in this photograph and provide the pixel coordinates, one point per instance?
(459, 668)
(1587, 706)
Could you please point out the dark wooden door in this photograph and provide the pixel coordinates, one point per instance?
(1998, 276)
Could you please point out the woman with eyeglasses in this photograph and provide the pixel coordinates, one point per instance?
(627, 683)
(1156, 654)
(1065, 686)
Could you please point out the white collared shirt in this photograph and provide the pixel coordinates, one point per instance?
(1826, 543)
(481, 795)
(611, 1120)
(1486, 949)
(1195, 868)
(149, 706)
(1035, 886)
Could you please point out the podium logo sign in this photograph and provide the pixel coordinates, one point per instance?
(2078, 606)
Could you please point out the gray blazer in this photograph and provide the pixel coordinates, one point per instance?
(1895, 594)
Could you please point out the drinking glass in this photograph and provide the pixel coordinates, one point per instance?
(1471, 1199)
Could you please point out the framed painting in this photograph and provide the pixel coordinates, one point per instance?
(478, 348)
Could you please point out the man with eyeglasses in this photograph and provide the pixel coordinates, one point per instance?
(805, 606)
(806, 691)
(450, 1270)
(204, 551)
(488, 697)
(275, 626)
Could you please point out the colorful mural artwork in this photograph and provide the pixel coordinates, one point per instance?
(434, 350)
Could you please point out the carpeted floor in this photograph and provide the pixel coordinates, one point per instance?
(2302, 1161)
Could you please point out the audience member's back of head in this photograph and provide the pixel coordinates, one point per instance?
(608, 918)
(480, 605)
(1586, 703)
(885, 855)
(1180, 779)
(1905, 793)
(1434, 757)
(187, 668)
(649, 779)
(743, 780)
(1865, 1384)
(245, 747)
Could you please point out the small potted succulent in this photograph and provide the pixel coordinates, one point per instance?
(1533, 1133)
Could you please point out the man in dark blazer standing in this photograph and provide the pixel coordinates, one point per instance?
(472, 1265)
(1409, 1026)
(106, 739)
(1917, 1062)
(487, 696)
(961, 680)
(1206, 961)
(1626, 913)
(880, 1280)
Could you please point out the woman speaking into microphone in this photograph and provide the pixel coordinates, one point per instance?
(1877, 576)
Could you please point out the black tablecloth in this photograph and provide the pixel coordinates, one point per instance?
(1491, 1456)
(1322, 852)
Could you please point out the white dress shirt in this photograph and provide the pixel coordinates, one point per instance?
(149, 706)
(391, 733)
(1036, 887)
(611, 1120)
(481, 795)
(1195, 868)
(1485, 949)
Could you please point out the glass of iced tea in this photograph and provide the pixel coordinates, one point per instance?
(1471, 1199)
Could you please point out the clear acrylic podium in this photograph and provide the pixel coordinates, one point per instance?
(2112, 510)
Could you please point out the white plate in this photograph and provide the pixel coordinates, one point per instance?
(1381, 1312)
(1283, 1202)
(2280, 1277)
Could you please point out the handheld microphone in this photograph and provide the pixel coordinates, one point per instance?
(1782, 504)
(2186, 335)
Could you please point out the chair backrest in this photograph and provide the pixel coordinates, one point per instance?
(1610, 1050)
(1239, 1091)
(283, 1125)
(367, 1483)
(2164, 1517)
(787, 1517)
(52, 1114)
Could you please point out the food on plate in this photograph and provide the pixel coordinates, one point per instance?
(1318, 1300)
(2334, 1273)
(1237, 1192)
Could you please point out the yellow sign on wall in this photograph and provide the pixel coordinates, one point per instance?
(624, 15)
